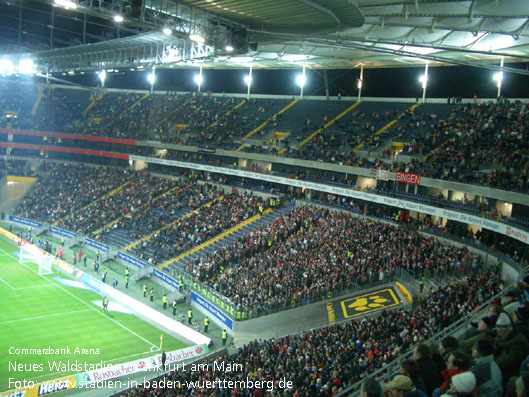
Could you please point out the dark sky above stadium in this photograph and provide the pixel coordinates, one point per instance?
(391, 82)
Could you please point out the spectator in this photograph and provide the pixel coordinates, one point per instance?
(410, 368)
(402, 386)
(511, 346)
(462, 385)
(428, 370)
(371, 388)
(488, 374)
(457, 363)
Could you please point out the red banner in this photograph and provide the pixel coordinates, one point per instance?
(70, 136)
(412, 179)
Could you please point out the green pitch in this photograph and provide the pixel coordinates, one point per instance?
(39, 312)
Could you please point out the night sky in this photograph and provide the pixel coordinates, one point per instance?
(389, 82)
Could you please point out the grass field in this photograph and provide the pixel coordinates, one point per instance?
(40, 312)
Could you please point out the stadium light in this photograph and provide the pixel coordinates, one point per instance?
(498, 77)
(26, 66)
(102, 76)
(69, 5)
(118, 18)
(6, 67)
(301, 80)
(199, 79)
(248, 81)
(424, 80)
(167, 31)
(197, 38)
(152, 78)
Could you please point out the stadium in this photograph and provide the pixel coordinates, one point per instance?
(259, 197)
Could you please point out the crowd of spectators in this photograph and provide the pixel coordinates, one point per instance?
(131, 200)
(161, 211)
(68, 188)
(311, 252)
(481, 143)
(326, 361)
(203, 224)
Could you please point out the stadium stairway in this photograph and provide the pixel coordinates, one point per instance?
(93, 100)
(147, 237)
(37, 102)
(226, 114)
(329, 124)
(128, 109)
(388, 125)
(260, 127)
(174, 112)
(95, 233)
(227, 237)
(104, 196)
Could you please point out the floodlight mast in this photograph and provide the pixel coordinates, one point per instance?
(248, 81)
(301, 80)
(152, 78)
(360, 82)
(500, 78)
(424, 82)
(199, 79)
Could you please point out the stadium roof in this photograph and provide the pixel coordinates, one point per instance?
(278, 33)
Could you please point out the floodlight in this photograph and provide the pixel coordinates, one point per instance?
(167, 31)
(301, 80)
(423, 79)
(229, 48)
(66, 4)
(198, 79)
(102, 76)
(118, 18)
(197, 38)
(26, 66)
(248, 80)
(6, 67)
(498, 76)
(151, 78)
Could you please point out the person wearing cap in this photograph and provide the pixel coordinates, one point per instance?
(462, 385)
(488, 374)
(402, 386)
(371, 388)
(485, 326)
(512, 347)
(494, 311)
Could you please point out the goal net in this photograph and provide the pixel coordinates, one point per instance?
(31, 254)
